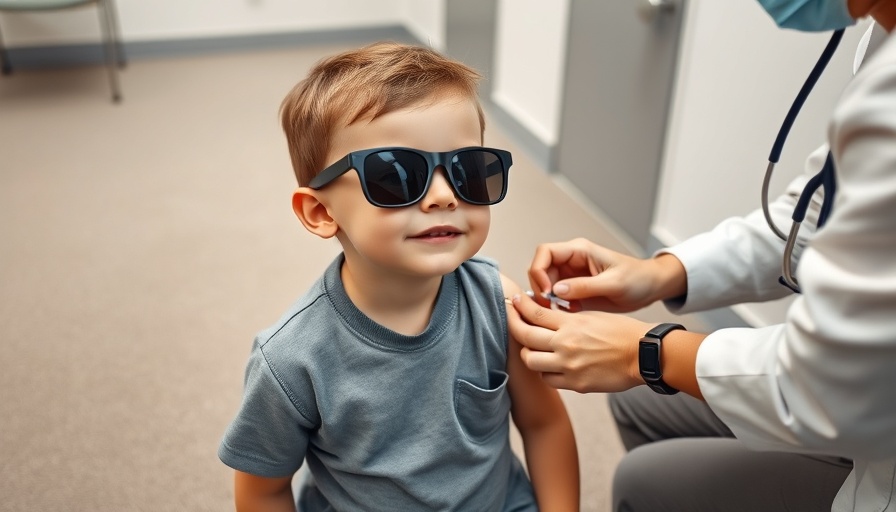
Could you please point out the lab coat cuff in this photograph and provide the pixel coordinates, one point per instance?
(736, 373)
(696, 257)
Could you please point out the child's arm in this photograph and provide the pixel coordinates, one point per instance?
(260, 494)
(540, 416)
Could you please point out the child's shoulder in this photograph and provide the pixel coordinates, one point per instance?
(479, 272)
(307, 315)
(307, 318)
(488, 266)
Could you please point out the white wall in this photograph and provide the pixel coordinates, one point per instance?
(530, 58)
(737, 77)
(425, 19)
(150, 20)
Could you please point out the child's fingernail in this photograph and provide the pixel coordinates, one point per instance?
(515, 298)
(561, 289)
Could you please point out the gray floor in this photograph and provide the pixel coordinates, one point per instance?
(143, 245)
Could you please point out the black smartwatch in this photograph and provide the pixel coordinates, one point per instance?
(649, 362)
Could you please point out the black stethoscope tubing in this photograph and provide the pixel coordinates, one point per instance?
(826, 179)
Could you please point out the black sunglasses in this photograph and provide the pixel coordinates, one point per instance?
(396, 177)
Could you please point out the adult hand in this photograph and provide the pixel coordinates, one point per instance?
(596, 278)
(587, 351)
(592, 351)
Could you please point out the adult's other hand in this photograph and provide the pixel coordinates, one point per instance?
(593, 277)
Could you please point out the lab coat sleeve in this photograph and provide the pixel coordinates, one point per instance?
(740, 260)
(823, 382)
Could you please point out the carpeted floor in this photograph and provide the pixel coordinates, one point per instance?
(141, 248)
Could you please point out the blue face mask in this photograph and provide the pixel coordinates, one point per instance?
(809, 15)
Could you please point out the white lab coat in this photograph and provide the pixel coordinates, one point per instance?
(824, 382)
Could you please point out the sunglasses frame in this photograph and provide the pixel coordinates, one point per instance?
(355, 160)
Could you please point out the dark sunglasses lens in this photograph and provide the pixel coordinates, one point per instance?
(395, 177)
(479, 176)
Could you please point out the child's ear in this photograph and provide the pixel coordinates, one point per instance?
(313, 213)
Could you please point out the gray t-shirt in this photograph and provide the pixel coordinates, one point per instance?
(385, 421)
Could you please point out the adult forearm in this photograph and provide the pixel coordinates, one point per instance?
(679, 360)
(670, 277)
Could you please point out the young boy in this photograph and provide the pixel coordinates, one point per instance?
(394, 375)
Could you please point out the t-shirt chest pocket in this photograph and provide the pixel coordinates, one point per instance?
(481, 411)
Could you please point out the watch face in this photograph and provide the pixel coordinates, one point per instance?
(649, 360)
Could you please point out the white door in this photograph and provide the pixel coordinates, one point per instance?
(620, 70)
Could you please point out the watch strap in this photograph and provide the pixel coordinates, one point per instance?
(649, 360)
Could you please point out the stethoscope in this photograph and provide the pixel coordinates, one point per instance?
(826, 178)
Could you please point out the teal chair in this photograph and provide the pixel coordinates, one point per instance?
(108, 24)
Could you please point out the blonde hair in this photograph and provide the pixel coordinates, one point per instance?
(364, 83)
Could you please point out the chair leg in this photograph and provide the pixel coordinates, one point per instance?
(112, 12)
(5, 65)
(111, 49)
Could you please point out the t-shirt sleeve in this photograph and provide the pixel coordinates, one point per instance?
(269, 435)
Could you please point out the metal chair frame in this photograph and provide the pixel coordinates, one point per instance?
(111, 35)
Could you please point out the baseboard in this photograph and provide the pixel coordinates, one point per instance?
(36, 57)
(715, 318)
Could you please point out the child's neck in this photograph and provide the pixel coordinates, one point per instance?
(401, 303)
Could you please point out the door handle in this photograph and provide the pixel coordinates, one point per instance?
(650, 10)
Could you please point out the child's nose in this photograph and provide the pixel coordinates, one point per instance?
(441, 193)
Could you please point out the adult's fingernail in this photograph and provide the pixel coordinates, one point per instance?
(515, 298)
(561, 289)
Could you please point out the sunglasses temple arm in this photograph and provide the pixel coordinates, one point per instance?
(340, 167)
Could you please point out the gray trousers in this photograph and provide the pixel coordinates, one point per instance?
(681, 457)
